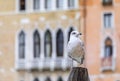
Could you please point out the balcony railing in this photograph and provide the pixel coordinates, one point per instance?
(34, 64)
(58, 62)
(107, 2)
(107, 63)
(21, 64)
(46, 63)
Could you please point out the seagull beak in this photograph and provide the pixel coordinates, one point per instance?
(80, 33)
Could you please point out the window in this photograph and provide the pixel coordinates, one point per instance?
(108, 48)
(108, 53)
(60, 79)
(70, 30)
(36, 4)
(22, 5)
(108, 20)
(71, 3)
(48, 79)
(48, 44)
(36, 44)
(36, 79)
(48, 4)
(60, 43)
(22, 45)
(59, 4)
(107, 2)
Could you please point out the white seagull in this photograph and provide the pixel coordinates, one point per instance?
(75, 47)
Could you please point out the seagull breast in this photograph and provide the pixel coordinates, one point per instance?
(76, 50)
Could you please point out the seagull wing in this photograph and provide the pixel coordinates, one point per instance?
(76, 51)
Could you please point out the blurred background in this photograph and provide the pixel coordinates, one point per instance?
(34, 36)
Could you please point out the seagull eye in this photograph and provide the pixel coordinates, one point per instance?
(73, 33)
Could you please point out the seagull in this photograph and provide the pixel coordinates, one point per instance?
(75, 47)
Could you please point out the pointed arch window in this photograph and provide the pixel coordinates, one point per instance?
(48, 44)
(71, 3)
(36, 38)
(22, 45)
(36, 4)
(48, 4)
(70, 30)
(36, 79)
(22, 5)
(59, 4)
(108, 48)
(60, 79)
(48, 79)
(108, 53)
(60, 43)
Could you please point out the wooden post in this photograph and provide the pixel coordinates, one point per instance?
(78, 74)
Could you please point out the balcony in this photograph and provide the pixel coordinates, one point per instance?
(62, 63)
(45, 64)
(108, 64)
(20, 64)
(107, 2)
(34, 64)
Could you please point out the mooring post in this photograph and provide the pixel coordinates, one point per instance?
(76, 51)
(78, 74)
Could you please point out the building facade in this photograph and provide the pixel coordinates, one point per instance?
(102, 39)
(36, 33)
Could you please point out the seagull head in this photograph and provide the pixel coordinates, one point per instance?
(75, 34)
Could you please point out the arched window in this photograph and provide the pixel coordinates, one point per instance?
(48, 79)
(22, 45)
(108, 48)
(36, 44)
(71, 3)
(60, 79)
(36, 4)
(60, 43)
(36, 79)
(70, 30)
(48, 4)
(22, 5)
(59, 4)
(48, 44)
(108, 53)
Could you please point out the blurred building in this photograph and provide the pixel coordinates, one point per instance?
(33, 38)
(102, 36)
(34, 34)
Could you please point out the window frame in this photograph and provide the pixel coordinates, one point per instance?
(38, 3)
(59, 42)
(109, 3)
(112, 68)
(48, 42)
(112, 19)
(23, 45)
(69, 4)
(108, 20)
(38, 43)
(19, 6)
(108, 47)
(59, 5)
(48, 4)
